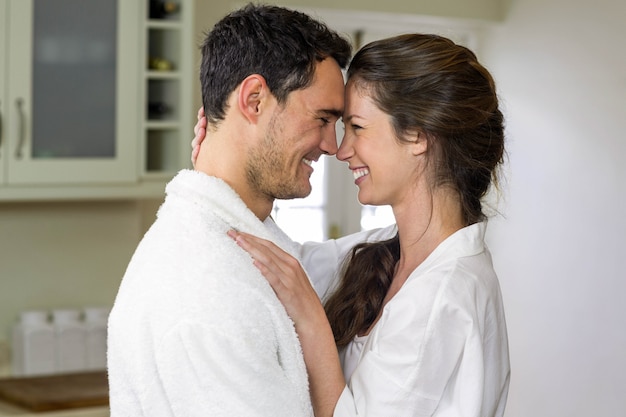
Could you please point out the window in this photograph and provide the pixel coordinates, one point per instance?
(303, 219)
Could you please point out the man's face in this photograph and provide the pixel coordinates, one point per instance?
(297, 135)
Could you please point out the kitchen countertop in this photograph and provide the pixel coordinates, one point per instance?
(10, 410)
(62, 395)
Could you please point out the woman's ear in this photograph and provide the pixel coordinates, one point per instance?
(253, 91)
(419, 143)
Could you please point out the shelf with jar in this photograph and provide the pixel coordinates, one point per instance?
(166, 87)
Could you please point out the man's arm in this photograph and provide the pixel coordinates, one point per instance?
(226, 370)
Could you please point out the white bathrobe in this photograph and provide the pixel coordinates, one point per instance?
(196, 330)
(440, 345)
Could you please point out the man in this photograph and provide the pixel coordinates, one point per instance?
(196, 330)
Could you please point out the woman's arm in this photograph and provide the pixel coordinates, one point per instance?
(323, 260)
(294, 290)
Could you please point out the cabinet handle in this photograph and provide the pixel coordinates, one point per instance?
(0, 128)
(22, 128)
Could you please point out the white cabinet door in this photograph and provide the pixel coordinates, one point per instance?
(72, 104)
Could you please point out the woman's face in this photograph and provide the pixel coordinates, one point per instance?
(384, 169)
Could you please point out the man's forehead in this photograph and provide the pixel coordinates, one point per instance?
(324, 96)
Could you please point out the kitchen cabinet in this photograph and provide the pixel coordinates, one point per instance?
(69, 113)
(75, 89)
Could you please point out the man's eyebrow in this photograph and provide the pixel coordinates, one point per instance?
(332, 112)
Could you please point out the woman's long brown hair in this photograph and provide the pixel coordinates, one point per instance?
(430, 84)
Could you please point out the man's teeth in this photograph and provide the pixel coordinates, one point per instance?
(307, 161)
(358, 173)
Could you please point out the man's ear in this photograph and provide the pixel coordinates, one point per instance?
(253, 92)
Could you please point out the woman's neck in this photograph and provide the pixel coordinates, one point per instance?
(423, 223)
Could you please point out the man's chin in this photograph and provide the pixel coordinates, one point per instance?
(301, 192)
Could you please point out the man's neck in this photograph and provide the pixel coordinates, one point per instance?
(222, 155)
(261, 206)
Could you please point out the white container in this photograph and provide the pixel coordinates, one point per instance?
(33, 345)
(96, 319)
(70, 341)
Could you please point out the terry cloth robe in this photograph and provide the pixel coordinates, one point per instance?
(196, 330)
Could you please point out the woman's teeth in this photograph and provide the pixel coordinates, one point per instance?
(358, 173)
(307, 161)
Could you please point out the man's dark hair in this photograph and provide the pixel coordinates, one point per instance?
(282, 45)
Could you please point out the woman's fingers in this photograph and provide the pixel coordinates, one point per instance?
(284, 274)
(199, 131)
(200, 124)
(282, 270)
(264, 253)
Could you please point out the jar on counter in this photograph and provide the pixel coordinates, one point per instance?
(70, 340)
(96, 319)
(33, 344)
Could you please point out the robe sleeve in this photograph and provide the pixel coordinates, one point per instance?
(212, 371)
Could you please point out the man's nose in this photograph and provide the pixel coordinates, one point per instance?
(329, 142)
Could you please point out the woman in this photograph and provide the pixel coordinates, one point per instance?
(416, 325)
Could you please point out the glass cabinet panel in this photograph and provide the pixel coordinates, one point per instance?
(74, 78)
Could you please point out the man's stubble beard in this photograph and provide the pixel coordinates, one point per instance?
(266, 167)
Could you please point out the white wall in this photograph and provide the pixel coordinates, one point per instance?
(561, 251)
